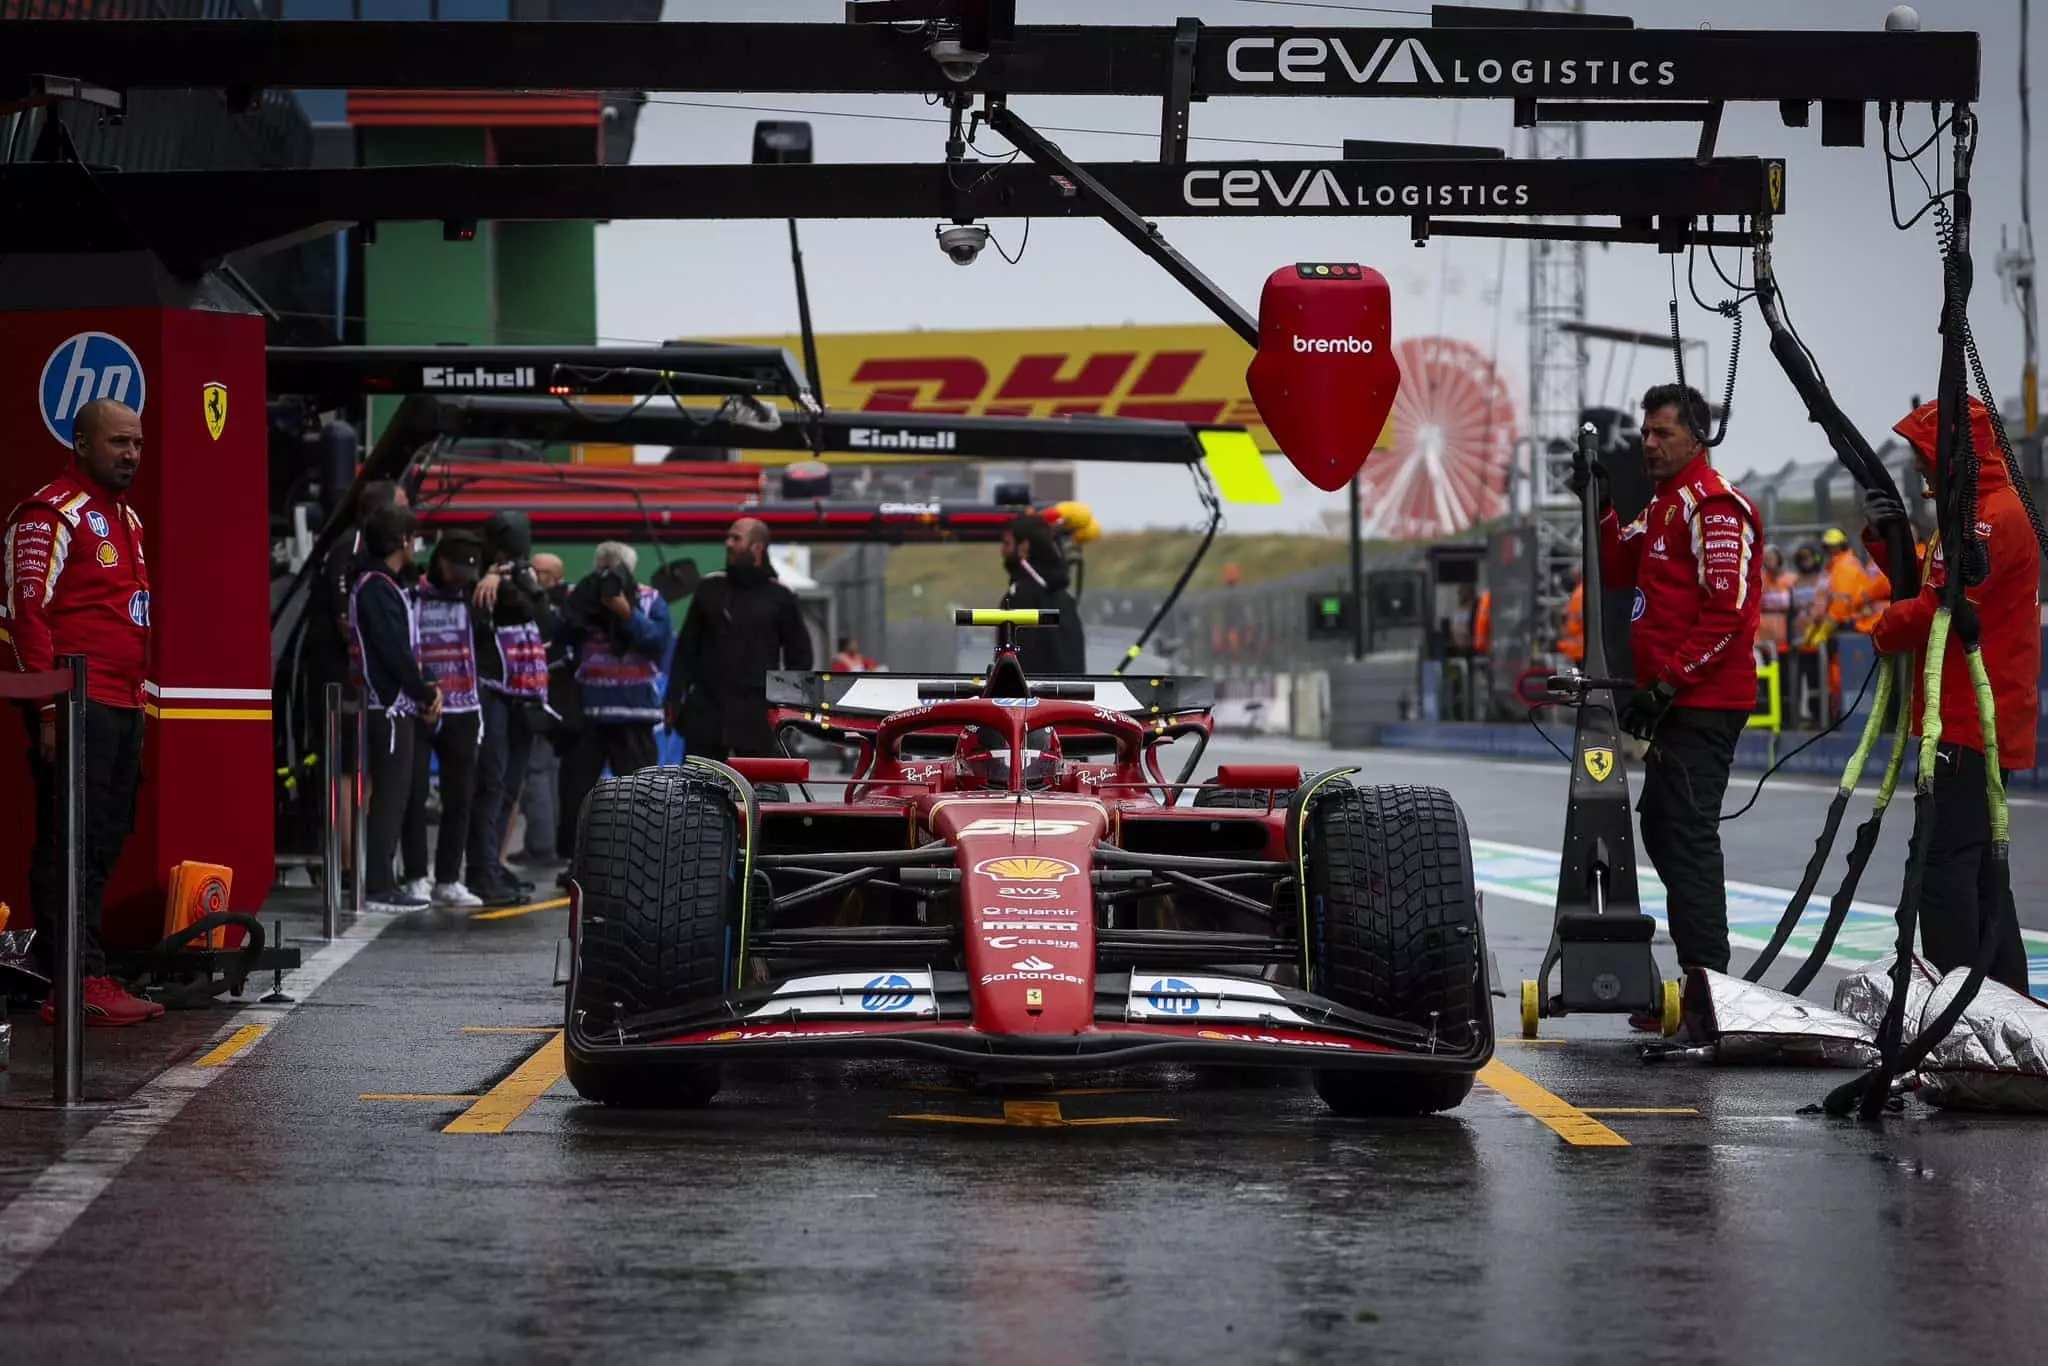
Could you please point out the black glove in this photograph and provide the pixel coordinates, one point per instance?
(1880, 507)
(1583, 477)
(1643, 710)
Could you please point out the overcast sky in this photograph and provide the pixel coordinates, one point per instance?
(1865, 296)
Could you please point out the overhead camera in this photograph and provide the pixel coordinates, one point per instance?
(962, 242)
(957, 61)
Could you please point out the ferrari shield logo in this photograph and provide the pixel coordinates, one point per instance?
(1599, 763)
(216, 396)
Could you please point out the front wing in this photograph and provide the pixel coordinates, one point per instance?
(1140, 1018)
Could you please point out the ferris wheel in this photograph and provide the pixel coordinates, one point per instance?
(1454, 445)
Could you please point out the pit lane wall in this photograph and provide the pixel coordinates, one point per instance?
(1373, 704)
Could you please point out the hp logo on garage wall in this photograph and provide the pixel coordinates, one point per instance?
(84, 367)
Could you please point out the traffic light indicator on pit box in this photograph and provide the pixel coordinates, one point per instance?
(1329, 615)
(1329, 270)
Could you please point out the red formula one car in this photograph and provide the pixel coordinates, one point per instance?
(1009, 882)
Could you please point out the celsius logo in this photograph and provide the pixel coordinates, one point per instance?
(1405, 61)
(1322, 346)
(84, 367)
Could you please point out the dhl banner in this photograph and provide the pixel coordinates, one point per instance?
(1175, 373)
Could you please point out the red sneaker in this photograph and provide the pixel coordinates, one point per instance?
(107, 1006)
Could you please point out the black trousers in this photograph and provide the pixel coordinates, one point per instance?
(454, 740)
(1684, 780)
(628, 747)
(1960, 901)
(388, 765)
(111, 751)
(500, 772)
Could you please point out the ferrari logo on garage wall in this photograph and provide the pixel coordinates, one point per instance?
(215, 395)
(1599, 763)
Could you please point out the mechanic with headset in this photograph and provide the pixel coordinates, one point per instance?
(1694, 559)
(1959, 895)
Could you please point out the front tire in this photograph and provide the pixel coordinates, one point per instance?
(657, 862)
(1395, 930)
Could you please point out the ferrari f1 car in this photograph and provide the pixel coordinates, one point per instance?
(1009, 882)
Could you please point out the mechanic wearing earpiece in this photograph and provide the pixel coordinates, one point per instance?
(1694, 559)
(1959, 901)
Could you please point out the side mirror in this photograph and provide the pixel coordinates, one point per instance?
(1325, 376)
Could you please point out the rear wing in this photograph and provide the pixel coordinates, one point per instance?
(877, 695)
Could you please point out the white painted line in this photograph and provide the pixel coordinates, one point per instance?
(39, 1216)
(209, 694)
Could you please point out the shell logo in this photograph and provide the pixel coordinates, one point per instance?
(727, 1037)
(1027, 869)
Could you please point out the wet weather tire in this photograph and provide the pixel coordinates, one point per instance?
(657, 861)
(1245, 798)
(1394, 929)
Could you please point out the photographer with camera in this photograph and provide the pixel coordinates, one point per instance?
(512, 620)
(619, 635)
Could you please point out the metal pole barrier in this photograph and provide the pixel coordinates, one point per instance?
(330, 760)
(362, 811)
(67, 1062)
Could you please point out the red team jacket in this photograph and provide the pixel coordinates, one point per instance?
(76, 584)
(2008, 606)
(1693, 559)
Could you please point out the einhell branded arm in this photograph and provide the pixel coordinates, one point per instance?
(1119, 439)
(1404, 63)
(681, 368)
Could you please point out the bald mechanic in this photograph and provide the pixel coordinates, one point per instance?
(1959, 901)
(741, 624)
(1694, 558)
(75, 583)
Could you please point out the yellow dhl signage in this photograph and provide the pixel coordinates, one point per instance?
(1178, 373)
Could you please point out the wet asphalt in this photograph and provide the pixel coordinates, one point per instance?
(889, 1215)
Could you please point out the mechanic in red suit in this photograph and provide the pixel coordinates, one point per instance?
(76, 584)
(1694, 558)
(1959, 903)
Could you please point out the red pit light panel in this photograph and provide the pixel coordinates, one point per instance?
(1325, 377)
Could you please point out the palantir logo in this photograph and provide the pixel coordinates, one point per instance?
(1172, 996)
(84, 367)
(887, 993)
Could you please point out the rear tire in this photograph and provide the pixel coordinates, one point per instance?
(1240, 798)
(657, 859)
(1395, 930)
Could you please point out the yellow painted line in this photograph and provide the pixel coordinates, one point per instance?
(508, 912)
(1566, 1120)
(508, 1029)
(225, 1053)
(515, 1095)
(1637, 1110)
(407, 1095)
(206, 713)
(1036, 1114)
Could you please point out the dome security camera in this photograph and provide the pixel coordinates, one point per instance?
(962, 242)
